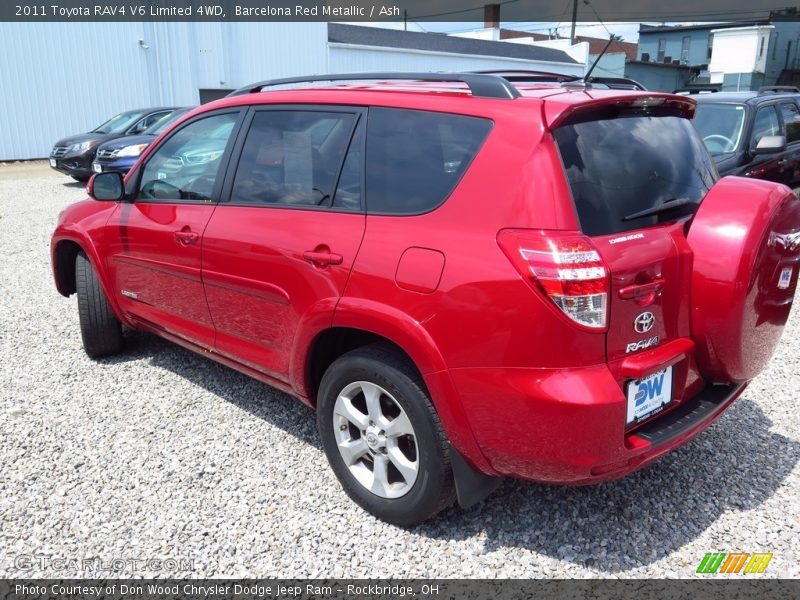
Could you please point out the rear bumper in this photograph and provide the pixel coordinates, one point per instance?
(568, 426)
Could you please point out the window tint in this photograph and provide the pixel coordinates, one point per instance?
(185, 167)
(766, 123)
(620, 164)
(292, 157)
(416, 158)
(791, 121)
(348, 192)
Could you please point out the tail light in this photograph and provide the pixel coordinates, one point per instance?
(566, 267)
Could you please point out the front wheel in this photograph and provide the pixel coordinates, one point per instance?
(382, 436)
(101, 331)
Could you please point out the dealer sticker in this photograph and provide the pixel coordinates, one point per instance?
(785, 278)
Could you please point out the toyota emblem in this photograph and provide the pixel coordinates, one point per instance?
(644, 322)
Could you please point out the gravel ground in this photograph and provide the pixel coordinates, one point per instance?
(159, 453)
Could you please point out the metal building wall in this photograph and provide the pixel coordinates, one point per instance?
(346, 58)
(59, 79)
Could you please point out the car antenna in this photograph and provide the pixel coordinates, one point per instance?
(585, 81)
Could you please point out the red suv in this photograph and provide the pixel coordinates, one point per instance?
(468, 278)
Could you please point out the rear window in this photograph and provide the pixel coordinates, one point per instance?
(621, 163)
(416, 158)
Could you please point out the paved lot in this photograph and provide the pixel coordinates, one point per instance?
(159, 453)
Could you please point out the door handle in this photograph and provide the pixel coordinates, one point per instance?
(322, 259)
(186, 236)
(783, 162)
(642, 290)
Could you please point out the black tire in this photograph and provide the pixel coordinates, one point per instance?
(81, 178)
(434, 487)
(101, 331)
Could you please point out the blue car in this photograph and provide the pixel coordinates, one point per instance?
(122, 153)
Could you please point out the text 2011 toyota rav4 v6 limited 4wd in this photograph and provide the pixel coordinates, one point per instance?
(467, 278)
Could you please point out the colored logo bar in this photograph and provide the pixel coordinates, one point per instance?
(735, 562)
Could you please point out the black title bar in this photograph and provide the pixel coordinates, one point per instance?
(475, 11)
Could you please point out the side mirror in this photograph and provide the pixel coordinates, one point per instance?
(106, 187)
(770, 143)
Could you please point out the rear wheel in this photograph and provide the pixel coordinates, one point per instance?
(382, 436)
(101, 331)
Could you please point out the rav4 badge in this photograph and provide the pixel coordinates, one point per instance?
(641, 344)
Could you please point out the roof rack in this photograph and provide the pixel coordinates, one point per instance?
(480, 84)
(778, 89)
(521, 75)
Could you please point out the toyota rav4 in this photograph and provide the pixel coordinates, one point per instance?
(467, 277)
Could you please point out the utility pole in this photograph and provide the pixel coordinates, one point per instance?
(574, 18)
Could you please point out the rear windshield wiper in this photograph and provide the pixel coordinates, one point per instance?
(662, 208)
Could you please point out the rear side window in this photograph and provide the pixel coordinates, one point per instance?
(416, 158)
(618, 164)
(292, 157)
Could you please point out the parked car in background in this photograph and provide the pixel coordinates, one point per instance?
(121, 154)
(73, 155)
(753, 134)
(467, 277)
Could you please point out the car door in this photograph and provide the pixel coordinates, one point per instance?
(765, 166)
(789, 160)
(156, 239)
(279, 248)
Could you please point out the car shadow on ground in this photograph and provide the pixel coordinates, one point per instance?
(75, 184)
(736, 465)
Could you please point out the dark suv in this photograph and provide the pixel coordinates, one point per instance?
(753, 134)
(467, 278)
(120, 154)
(73, 155)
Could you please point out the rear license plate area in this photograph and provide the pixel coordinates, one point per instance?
(648, 396)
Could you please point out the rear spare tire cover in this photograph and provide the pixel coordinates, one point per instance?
(743, 238)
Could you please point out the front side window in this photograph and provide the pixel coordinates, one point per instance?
(765, 123)
(791, 121)
(619, 163)
(186, 166)
(292, 157)
(416, 158)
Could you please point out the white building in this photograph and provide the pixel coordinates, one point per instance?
(61, 79)
(739, 50)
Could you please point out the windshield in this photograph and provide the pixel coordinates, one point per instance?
(720, 126)
(119, 123)
(159, 126)
(622, 163)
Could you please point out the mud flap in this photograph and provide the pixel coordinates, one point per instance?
(472, 486)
